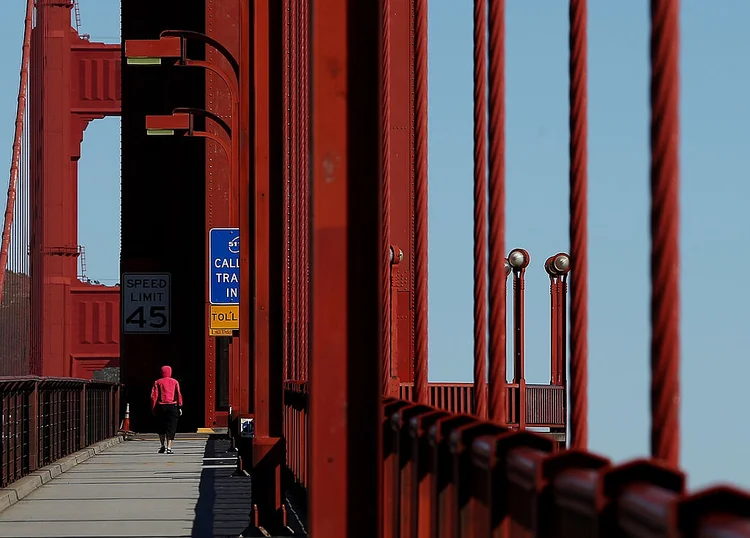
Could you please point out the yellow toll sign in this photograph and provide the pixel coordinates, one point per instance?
(224, 318)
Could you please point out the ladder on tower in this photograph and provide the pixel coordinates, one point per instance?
(82, 255)
(77, 11)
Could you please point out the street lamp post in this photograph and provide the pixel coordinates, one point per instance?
(172, 45)
(181, 122)
(519, 260)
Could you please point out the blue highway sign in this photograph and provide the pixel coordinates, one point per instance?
(224, 265)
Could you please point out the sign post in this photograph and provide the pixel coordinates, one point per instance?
(224, 286)
(146, 301)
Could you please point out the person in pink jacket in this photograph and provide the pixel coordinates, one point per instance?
(166, 405)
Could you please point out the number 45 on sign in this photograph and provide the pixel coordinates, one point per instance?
(146, 301)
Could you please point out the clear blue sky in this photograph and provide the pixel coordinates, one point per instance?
(715, 115)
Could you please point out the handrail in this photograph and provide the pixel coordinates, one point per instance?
(47, 418)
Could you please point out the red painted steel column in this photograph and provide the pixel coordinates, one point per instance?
(665, 225)
(345, 394)
(294, 306)
(402, 177)
(304, 186)
(222, 200)
(497, 274)
(578, 226)
(261, 342)
(54, 226)
(385, 194)
(239, 398)
(421, 352)
(480, 208)
(268, 451)
(286, 192)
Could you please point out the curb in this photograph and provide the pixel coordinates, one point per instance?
(33, 481)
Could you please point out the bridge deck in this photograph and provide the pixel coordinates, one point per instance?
(131, 490)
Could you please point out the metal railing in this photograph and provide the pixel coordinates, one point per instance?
(44, 419)
(544, 403)
(544, 409)
(468, 477)
(296, 429)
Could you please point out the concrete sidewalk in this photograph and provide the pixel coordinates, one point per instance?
(129, 490)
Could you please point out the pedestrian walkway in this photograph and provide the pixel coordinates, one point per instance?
(131, 490)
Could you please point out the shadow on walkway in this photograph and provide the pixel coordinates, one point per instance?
(225, 503)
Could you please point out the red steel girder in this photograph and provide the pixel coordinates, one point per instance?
(345, 373)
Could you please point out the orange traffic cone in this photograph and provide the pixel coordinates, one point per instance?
(126, 423)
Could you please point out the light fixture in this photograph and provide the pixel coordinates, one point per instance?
(519, 259)
(561, 263)
(160, 132)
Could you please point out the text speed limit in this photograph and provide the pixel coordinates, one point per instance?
(146, 301)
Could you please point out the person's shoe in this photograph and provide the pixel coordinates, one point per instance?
(169, 451)
(162, 450)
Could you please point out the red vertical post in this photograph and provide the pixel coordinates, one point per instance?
(294, 295)
(385, 194)
(560, 267)
(240, 362)
(480, 208)
(563, 329)
(397, 256)
(304, 186)
(665, 226)
(268, 455)
(54, 226)
(402, 177)
(519, 260)
(261, 215)
(286, 192)
(345, 371)
(222, 171)
(553, 380)
(497, 276)
(421, 352)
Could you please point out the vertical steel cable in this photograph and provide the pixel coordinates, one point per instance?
(286, 288)
(17, 141)
(385, 203)
(578, 226)
(497, 278)
(480, 208)
(665, 254)
(421, 393)
(305, 184)
(295, 186)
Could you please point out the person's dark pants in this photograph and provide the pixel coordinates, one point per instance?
(167, 416)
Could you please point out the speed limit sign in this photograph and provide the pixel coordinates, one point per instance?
(146, 300)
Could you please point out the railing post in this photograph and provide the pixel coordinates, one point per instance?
(82, 422)
(34, 427)
(115, 410)
(391, 475)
